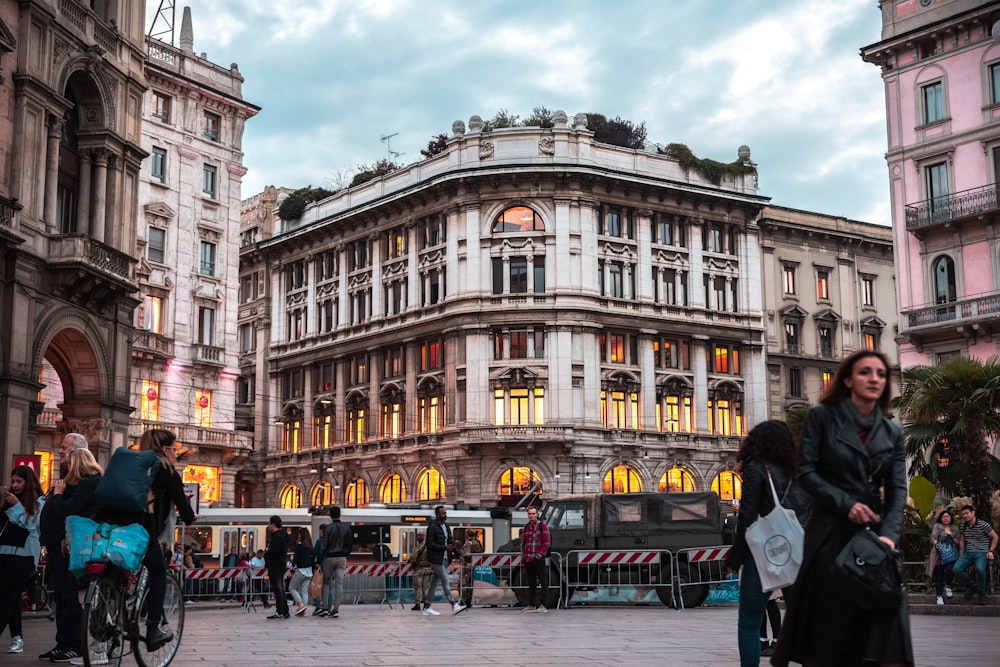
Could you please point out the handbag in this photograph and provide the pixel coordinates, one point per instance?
(869, 572)
(316, 585)
(11, 534)
(776, 542)
(947, 550)
(89, 542)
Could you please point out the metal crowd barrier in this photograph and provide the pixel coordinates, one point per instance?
(695, 571)
(497, 579)
(600, 577)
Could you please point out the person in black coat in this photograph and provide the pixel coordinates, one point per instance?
(852, 463)
(768, 448)
(276, 558)
(71, 496)
(168, 494)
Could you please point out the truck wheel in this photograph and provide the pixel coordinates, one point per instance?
(663, 588)
(692, 596)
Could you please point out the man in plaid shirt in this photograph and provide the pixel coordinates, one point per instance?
(534, 547)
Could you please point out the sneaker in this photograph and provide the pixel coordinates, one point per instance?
(323, 613)
(16, 645)
(948, 592)
(96, 658)
(276, 615)
(767, 648)
(541, 609)
(48, 654)
(301, 611)
(940, 600)
(530, 609)
(334, 614)
(415, 607)
(63, 655)
(430, 612)
(155, 638)
(458, 608)
(317, 611)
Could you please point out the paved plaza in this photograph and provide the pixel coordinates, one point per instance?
(370, 635)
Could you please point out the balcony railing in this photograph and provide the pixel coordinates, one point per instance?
(210, 354)
(67, 248)
(192, 436)
(147, 341)
(954, 311)
(958, 205)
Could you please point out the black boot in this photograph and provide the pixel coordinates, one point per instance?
(156, 638)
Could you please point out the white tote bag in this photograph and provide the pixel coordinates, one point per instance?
(776, 542)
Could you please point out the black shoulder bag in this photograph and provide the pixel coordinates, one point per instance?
(869, 572)
(12, 535)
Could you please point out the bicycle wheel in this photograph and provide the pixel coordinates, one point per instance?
(102, 620)
(173, 620)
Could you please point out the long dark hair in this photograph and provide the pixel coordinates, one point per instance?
(839, 391)
(32, 488)
(305, 537)
(770, 441)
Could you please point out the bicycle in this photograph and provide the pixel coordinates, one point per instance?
(114, 617)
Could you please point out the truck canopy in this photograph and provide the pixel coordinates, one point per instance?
(643, 514)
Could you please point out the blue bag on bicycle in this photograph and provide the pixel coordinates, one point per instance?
(92, 542)
(126, 546)
(128, 480)
(81, 535)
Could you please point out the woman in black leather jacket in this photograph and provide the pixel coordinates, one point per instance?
(852, 464)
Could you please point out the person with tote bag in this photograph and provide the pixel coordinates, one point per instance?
(767, 461)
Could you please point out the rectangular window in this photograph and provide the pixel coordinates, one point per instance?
(212, 126)
(868, 292)
(248, 288)
(207, 267)
(827, 379)
(616, 280)
(431, 413)
(794, 382)
(933, 98)
(431, 355)
(937, 182)
(518, 275)
(326, 311)
(161, 107)
(721, 359)
(209, 176)
(157, 244)
(244, 390)
(539, 274)
(158, 165)
(149, 410)
(497, 275)
(206, 324)
(826, 342)
(247, 338)
(870, 341)
(359, 370)
(326, 266)
(539, 343)
(395, 243)
(664, 230)
(324, 378)
(153, 315)
(823, 285)
(393, 363)
(519, 344)
(616, 348)
(203, 408)
(613, 223)
(434, 230)
(296, 324)
(995, 83)
(788, 279)
(792, 337)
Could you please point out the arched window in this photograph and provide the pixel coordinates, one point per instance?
(356, 494)
(677, 480)
(392, 489)
(290, 497)
(622, 479)
(518, 219)
(728, 485)
(322, 494)
(944, 280)
(430, 485)
(515, 483)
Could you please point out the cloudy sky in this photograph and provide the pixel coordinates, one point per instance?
(782, 76)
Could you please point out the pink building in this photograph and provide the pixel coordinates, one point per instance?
(940, 61)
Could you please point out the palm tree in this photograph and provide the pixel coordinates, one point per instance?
(958, 398)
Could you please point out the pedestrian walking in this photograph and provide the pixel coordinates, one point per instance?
(302, 561)
(276, 557)
(421, 573)
(440, 552)
(337, 546)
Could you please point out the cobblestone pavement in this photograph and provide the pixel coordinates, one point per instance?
(373, 635)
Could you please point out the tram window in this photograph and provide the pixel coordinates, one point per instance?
(200, 537)
(565, 516)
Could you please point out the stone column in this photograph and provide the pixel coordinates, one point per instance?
(696, 295)
(83, 220)
(699, 402)
(100, 194)
(413, 279)
(52, 171)
(375, 302)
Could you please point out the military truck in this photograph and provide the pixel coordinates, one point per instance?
(628, 522)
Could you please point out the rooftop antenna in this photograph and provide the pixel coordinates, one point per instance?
(163, 22)
(391, 155)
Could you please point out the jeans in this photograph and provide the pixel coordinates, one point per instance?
(276, 573)
(14, 573)
(299, 587)
(753, 602)
(334, 569)
(943, 575)
(438, 573)
(537, 575)
(977, 558)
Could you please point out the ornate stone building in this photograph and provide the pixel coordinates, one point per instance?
(829, 289)
(185, 352)
(71, 95)
(527, 307)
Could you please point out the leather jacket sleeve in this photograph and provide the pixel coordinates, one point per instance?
(818, 429)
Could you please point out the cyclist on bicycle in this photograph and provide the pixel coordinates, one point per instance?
(168, 492)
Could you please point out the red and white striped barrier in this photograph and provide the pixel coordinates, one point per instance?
(496, 560)
(708, 555)
(619, 558)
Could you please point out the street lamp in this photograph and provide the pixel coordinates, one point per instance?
(322, 469)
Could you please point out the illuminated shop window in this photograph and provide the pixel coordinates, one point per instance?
(290, 497)
(356, 494)
(430, 485)
(203, 408)
(149, 409)
(622, 479)
(518, 481)
(728, 485)
(207, 479)
(392, 489)
(677, 480)
(322, 494)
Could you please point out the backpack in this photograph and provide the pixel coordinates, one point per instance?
(128, 481)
